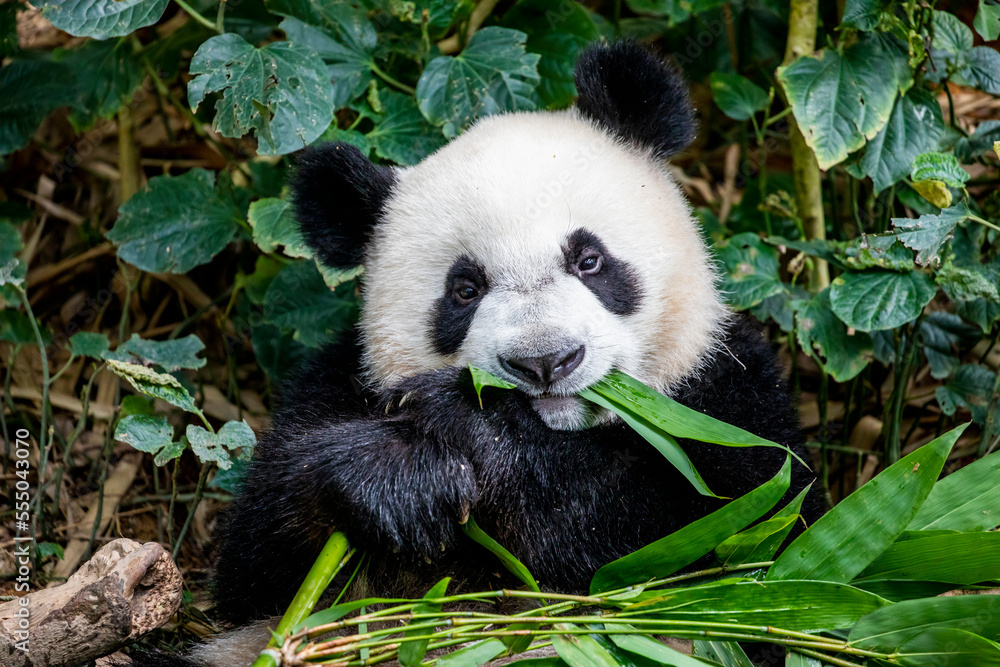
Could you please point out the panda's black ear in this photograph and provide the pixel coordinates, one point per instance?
(338, 196)
(634, 94)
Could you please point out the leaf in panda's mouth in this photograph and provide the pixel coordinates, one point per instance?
(481, 378)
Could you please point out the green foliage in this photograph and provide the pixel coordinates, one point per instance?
(102, 19)
(738, 97)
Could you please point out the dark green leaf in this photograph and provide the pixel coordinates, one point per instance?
(650, 648)
(961, 558)
(950, 34)
(982, 312)
(287, 83)
(102, 19)
(948, 647)
(684, 546)
(401, 133)
(147, 433)
(472, 655)
(48, 549)
(845, 540)
(557, 31)
(170, 354)
(273, 222)
(987, 21)
(170, 452)
(967, 283)
(580, 650)
(277, 352)
(727, 654)
(970, 388)
(513, 565)
(107, 75)
(839, 100)
(981, 69)
(750, 270)
(29, 91)
(981, 141)
(15, 327)
(928, 233)
(863, 14)
(804, 606)
(299, 299)
(411, 653)
(86, 344)
(492, 74)
(886, 629)
(966, 500)
(759, 543)
(942, 167)
(914, 127)
(872, 301)
(818, 330)
(175, 224)
(939, 331)
(737, 96)
(157, 385)
(219, 446)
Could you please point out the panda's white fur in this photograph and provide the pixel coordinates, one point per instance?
(508, 193)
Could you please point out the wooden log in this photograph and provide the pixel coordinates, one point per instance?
(123, 592)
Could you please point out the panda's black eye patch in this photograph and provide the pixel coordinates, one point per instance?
(612, 280)
(464, 288)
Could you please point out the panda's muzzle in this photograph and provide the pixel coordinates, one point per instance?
(543, 371)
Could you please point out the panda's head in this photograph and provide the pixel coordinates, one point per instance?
(546, 248)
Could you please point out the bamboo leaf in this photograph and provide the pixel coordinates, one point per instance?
(650, 648)
(849, 537)
(888, 628)
(473, 655)
(481, 378)
(683, 547)
(966, 500)
(513, 565)
(727, 654)
(948, 647)
(962, 558)
(580, 650)
(411, 653)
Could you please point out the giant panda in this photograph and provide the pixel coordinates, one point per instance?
(547, 248)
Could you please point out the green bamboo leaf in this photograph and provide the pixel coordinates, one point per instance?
(102, 19)
(967, 500)
(948, 647)
(750, 270)
(727, 654)
(846, 540)
(684, 546)
(287, 83)
(411, 653)
(86, 344)
(176, 223)
(737, 96)
(802, 606)
(961, 558)
(580, 650)
(928, 233)
(158, 385)
(650, 648)
(939, 167)
(491, 75)
(743, 546)
(170, 354)
(842, 354)
(481, 378)
(147, 433)
(878, 300)
(886, 629)
(840, 100)
(476, 654)
(513, 565)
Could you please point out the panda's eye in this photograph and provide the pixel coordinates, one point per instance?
(590, 264)
(465, 292)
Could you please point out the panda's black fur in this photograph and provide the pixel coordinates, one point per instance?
(398, 470)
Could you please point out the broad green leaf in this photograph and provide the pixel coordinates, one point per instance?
(15, 327)
(863, 14)
(401, 133)
(928, 233)
(107, 75)
(557, 31)
(281, 92)
(147, 433)
(580, 650)
(940, 331)
(750, 270)
(951, 34)
(12, 269)
(513, 565)
(887, 628)
(970, 388)
(136, 404)
(491, 75)
(960, 558)
(914, 127)
(684, 546)
(967, 283)
(298, 299)
(966, 500)
(842, 354)
(29, 91)
(981, 142)
(872, 301)
(845, 540)
(170, 354)
(340, 34)
(737, 96)
(85, 344)
(411, 653)
(473, 655)
(982, 312)
(273, 223)
(102, 19)
(157, 385)
(175, 224)
(650, 648)
(277, 352)
(170, 452)
(9, 45)
(727, 654)
(987, 21)
(948, 647)
(48, 549)
(981, 69)
(481, 378)
(219, 446)
(840, 101)
(939, 167)
(803, 606)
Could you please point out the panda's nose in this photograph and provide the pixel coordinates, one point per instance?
(543, 371)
